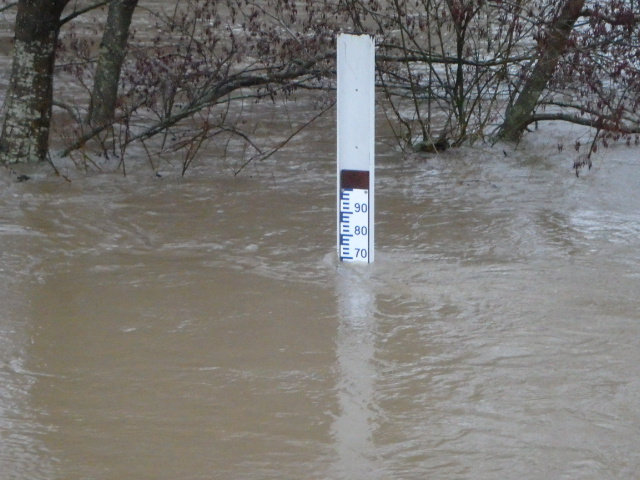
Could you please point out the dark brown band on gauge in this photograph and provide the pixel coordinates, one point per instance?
(354, 179)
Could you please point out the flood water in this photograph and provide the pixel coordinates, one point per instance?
(201, 327)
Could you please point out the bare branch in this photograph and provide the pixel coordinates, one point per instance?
(234, 83)
(82, 11)
(423, 57)
(8, 6)
(285, 141)
(600, 123)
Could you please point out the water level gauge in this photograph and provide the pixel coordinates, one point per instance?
(354, 224)
(354, 214)
(356, 147)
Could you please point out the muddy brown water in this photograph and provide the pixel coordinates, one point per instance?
(201, 328)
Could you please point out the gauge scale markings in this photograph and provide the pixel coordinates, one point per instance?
(354, 224)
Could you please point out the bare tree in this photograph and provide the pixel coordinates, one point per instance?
(455, 71)
(452, 71)
(551, 47)
(205, 65)
(599, 75)
(111, 57)
(446, 66)
(28, 104)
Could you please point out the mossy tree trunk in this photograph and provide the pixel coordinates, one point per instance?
(520, 113)
(113, 49)
(28, 104)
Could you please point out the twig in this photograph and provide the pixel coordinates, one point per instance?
(8, 6)
(82, 11)
(285, 141)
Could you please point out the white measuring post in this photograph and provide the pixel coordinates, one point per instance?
(356, 142)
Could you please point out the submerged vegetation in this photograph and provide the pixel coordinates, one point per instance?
(176, 76)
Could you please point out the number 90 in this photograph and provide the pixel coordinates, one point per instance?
(361, 207)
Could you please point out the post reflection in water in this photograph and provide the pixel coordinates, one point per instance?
(22, 452)
(353, 427)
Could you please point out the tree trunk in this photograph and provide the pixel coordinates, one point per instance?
(111, 57)
(25, 132)
(520, 114)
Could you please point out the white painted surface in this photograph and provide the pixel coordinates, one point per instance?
(356, 124)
